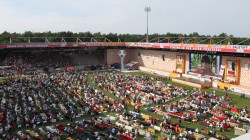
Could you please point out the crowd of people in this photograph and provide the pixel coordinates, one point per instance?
(32, 101)
(32, 62)
(138, 89)
(208, 109)
(45, 100)
(36, 60)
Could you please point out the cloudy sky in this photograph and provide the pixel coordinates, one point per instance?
(208, 17)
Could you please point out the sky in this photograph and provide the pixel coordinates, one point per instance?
(206, 17)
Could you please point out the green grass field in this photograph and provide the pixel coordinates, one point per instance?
(237, 102)
(2, 79)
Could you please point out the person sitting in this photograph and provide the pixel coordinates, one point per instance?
(196, 130)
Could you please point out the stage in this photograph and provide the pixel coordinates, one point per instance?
(235, 88)
(175, 75)
(192, 82)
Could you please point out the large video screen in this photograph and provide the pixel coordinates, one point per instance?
(205, 64)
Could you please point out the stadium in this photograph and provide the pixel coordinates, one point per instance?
(94, 88)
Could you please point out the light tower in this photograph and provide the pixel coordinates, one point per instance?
(147, 9)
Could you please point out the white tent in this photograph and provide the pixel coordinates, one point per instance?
(243, 137)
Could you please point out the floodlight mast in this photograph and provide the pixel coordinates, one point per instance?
(147, 9)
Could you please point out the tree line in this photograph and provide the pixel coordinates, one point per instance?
(7, 37)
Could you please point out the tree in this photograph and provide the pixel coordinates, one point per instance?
(86, 37)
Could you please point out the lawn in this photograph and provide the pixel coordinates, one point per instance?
(2, 80)
(237, 102)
